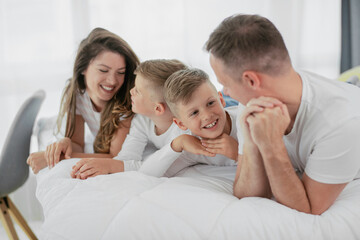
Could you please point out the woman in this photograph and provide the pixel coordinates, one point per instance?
(98, 94)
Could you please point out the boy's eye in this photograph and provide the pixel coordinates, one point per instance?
(211, 103)
(193, 113)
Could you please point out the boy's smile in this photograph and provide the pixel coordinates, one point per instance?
(204, 113)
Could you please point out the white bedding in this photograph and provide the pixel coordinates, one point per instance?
(198, 204)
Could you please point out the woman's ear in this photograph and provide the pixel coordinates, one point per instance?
(252, 79)
(179, 123)
(222, 100)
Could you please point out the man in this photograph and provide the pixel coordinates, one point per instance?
(301, 131)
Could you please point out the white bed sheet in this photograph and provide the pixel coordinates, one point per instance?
(197, 204)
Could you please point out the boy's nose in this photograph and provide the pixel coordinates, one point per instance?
(206, 115)
(132, 91)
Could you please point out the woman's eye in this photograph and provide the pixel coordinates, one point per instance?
(121, 73)
(102, 70)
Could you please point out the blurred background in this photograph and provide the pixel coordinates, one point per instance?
(39, 39)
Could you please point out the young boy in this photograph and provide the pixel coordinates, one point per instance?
(197, 107)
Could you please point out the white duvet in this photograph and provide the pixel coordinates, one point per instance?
(198, 204)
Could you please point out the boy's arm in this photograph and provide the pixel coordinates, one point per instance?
(133, 147)
(160, 161)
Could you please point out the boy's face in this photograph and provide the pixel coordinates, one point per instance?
(204, 114)
(140, 97)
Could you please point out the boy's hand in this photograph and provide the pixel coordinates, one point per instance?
(37, 161)
(224, 144)
(190, 144)
(91, 167)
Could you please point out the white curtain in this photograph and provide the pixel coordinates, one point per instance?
(38, 41)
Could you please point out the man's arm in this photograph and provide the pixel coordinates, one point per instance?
(251, 179)
(306, 195)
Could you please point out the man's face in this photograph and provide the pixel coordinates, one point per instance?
(232, 87)
(204, 114)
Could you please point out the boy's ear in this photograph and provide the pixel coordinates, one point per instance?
(179, 123)
(159, 108)
(222, 100)
(252, 79)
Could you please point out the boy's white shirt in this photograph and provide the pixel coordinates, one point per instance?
(142, 139)
(169, 163)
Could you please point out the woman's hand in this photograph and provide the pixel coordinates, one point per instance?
(58, 151)
(37, 161)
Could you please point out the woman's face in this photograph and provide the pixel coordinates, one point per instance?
(103, 77)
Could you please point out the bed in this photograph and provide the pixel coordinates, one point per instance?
(196, 204)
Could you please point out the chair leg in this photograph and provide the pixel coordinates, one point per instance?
(16, 215)
(6, 220)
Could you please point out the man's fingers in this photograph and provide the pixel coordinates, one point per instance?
(264, 102)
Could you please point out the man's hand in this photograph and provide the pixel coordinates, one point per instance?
(224, 144)
(37, 161)
(190, 144)
(268, 127)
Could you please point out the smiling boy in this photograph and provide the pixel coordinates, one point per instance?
(197, 107)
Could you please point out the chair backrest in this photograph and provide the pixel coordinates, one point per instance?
(13, 168)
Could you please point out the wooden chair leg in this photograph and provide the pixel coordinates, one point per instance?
(16, 215)
(6, 220)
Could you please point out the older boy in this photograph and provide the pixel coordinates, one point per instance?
(292, 120)
(197, 107)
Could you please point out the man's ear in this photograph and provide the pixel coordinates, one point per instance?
(222, 100)
(252, 79)
(159, 108)
(179, 123)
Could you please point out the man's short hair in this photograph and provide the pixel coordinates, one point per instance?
(249, 42)
(181, 85)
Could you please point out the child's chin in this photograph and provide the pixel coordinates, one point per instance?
(211, 135)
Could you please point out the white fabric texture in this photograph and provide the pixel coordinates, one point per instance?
(85, 108)
(324, 141)
(142, 132)
(198, 204)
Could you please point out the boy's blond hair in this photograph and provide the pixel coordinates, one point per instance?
(181, 85)
(156, 72)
